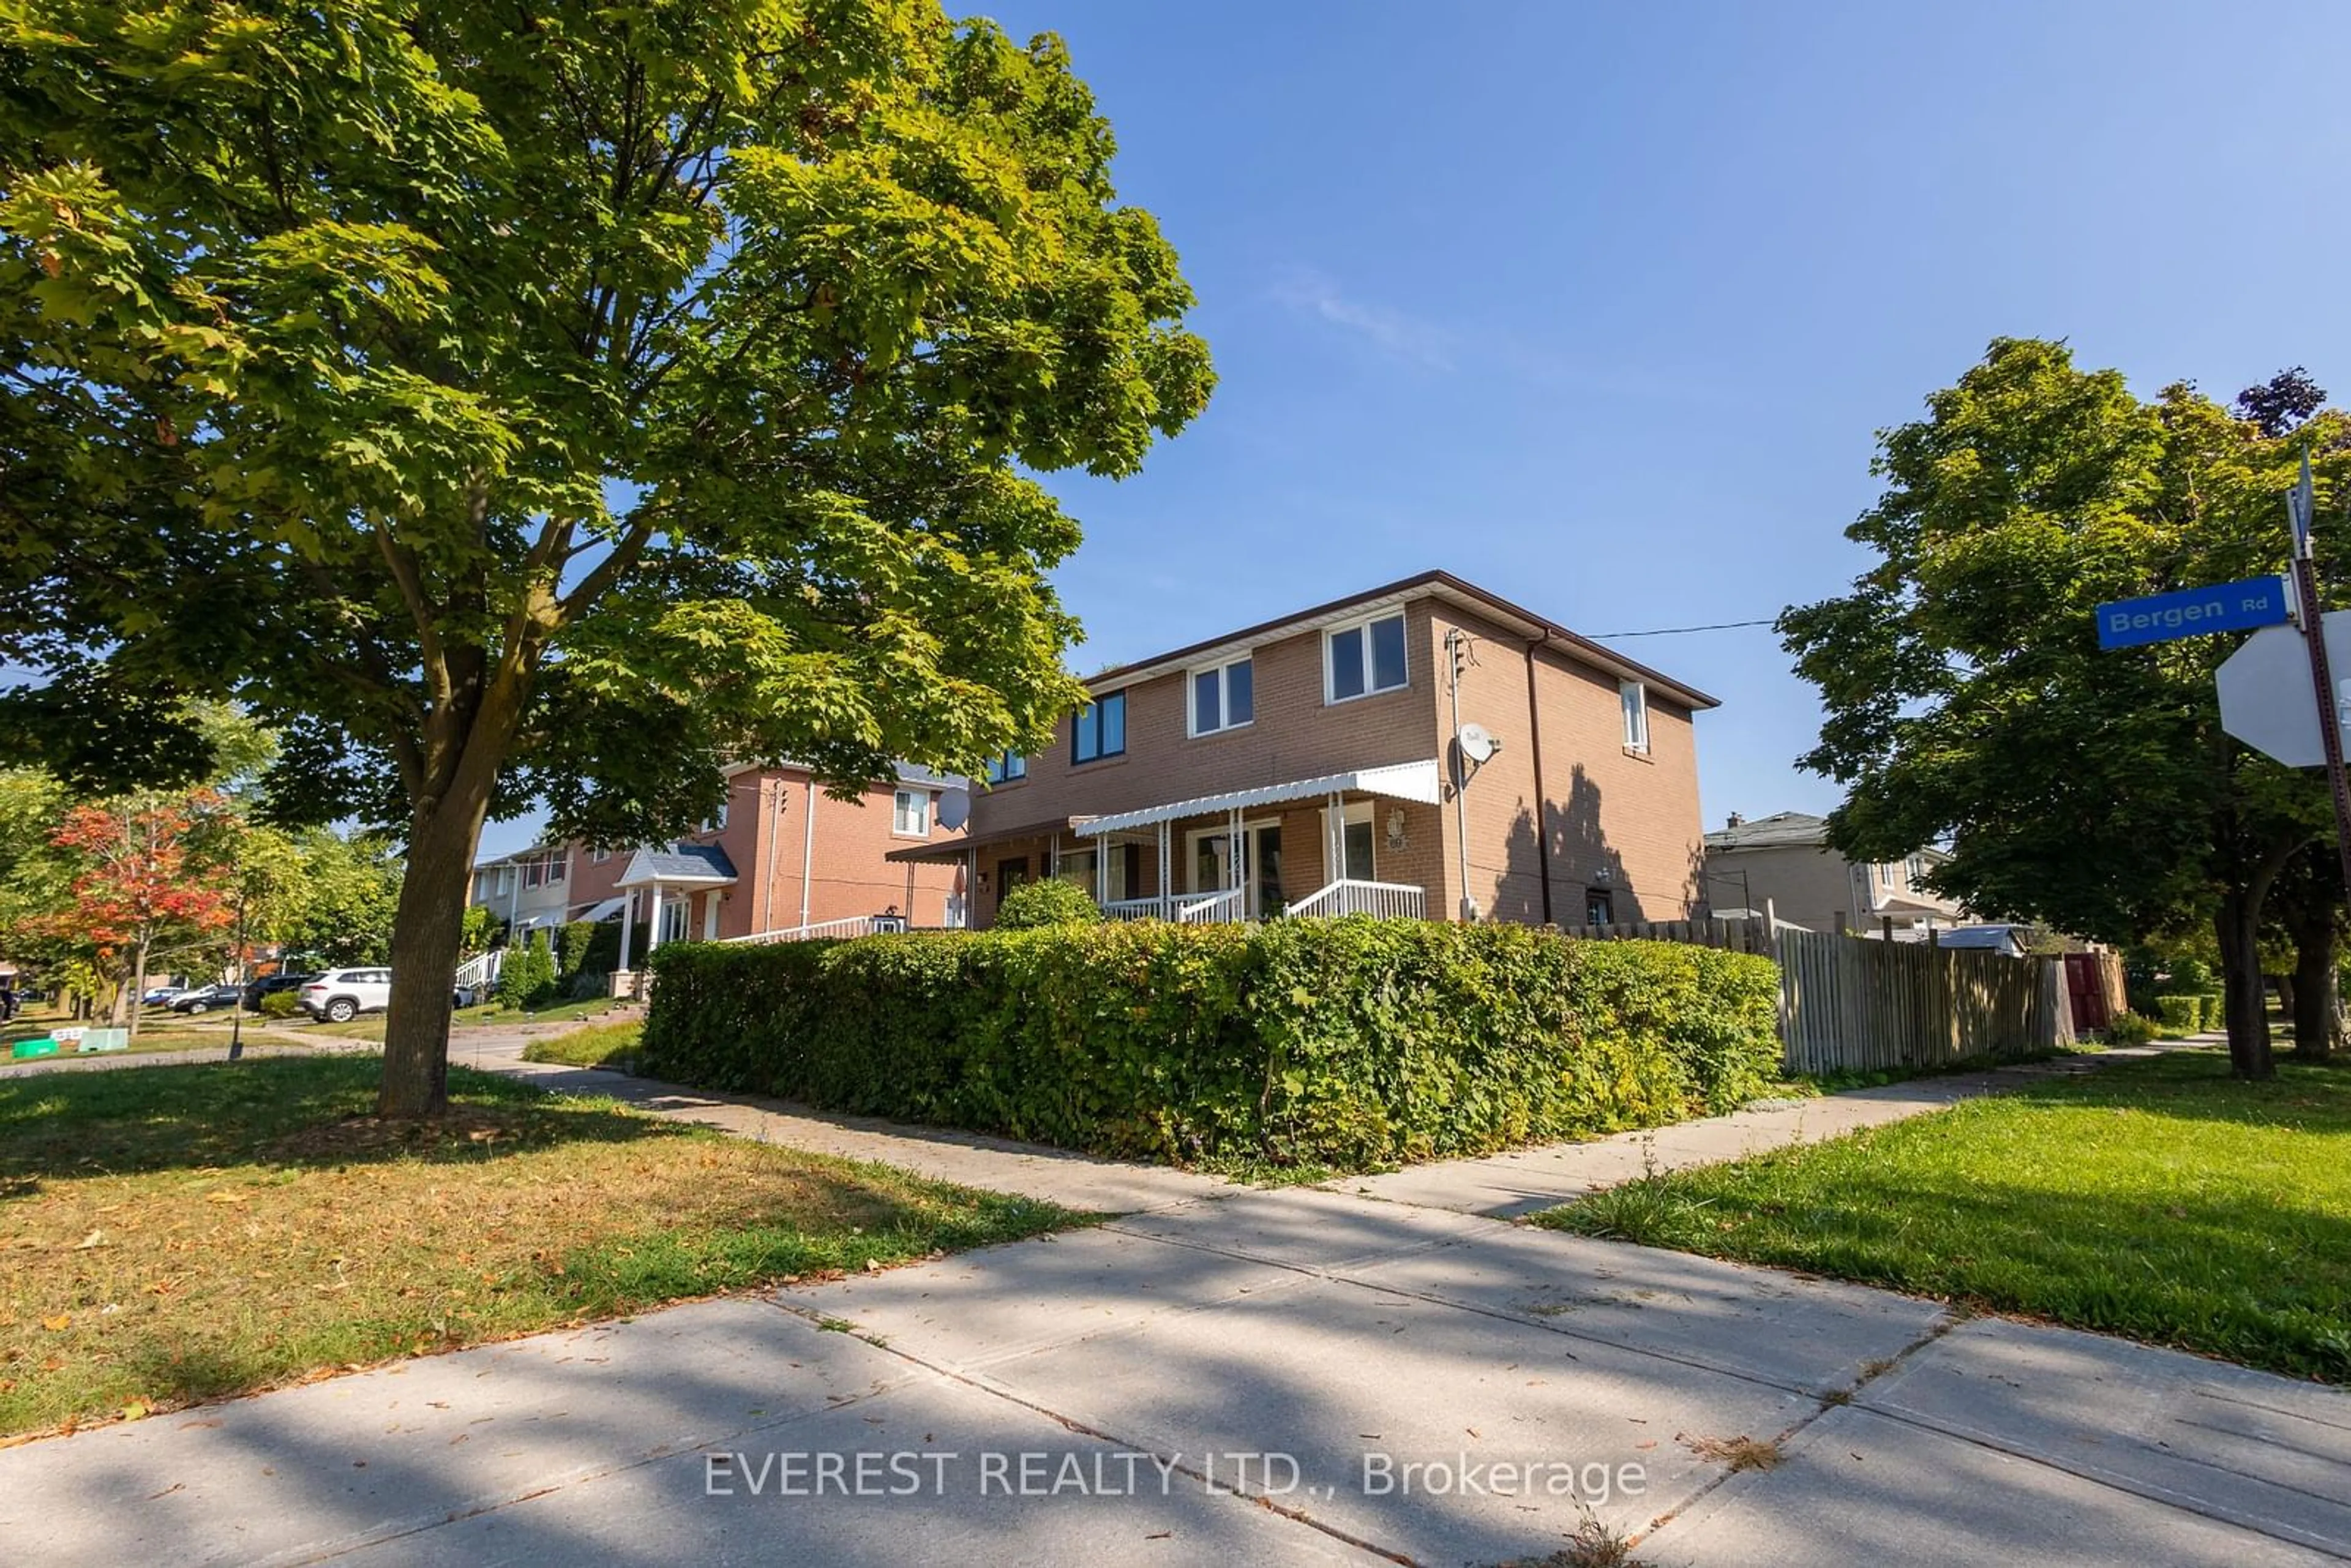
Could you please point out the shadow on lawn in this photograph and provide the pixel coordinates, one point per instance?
(2194, 1085)
(281, 1112)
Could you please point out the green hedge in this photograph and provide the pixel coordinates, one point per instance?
(2179, 1015)
(1350, 1042)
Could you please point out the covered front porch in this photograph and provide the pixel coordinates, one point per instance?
(1360, 842)
(663, 887)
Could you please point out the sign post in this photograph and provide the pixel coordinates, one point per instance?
(2299, 505)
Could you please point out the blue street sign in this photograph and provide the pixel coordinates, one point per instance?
(2192, 612)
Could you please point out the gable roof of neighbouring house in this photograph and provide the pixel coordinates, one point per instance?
(687, 862)
(1429, 584)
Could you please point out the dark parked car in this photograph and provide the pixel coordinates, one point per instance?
(204, 1000)
(269, 984)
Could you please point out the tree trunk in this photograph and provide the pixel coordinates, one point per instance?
(2238, 925)
(426, 933)
(2317, 1015)
(138, 988)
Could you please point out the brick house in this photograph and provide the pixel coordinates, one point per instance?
(781, 855)
(1306, 766)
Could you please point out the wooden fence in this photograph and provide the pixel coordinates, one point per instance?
(1848, 1002)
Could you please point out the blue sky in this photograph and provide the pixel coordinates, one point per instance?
(1600, 306)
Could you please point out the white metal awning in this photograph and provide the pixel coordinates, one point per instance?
(1397, 782)
(604, 911)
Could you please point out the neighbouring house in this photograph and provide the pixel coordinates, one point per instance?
(1785, 861)
(781, 855)
(1306, 766)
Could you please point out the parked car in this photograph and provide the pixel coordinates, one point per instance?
(269, 985)
(205, 999)
(163, 995)
(339, 996)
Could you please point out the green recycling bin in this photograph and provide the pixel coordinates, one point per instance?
(24, 1049)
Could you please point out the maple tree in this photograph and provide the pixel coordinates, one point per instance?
(143, 882)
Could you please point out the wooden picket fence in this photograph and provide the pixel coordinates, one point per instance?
(1855, 1002)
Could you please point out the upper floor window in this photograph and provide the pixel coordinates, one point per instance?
(1364, 658)
(1010, 766)
(1914, 870)
(542, 869)
(1224, 698)
(598, 857)
(1635, 697)
(1099, 730)
(717, 821)
(910, 814)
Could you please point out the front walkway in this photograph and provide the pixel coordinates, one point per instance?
(1303, 1375)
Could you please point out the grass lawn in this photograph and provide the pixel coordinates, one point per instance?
(2159, 1199)
(496, 1012)
(158, 1030)
(598, 1045)
(180, 1233)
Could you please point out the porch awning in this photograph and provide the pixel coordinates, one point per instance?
(604, 911)
(1418, 781)
(952, 850)
(693, 865)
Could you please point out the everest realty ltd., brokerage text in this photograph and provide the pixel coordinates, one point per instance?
(931, 1472)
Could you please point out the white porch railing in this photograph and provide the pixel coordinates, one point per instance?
(855, 926)
(1136, 909)
(1387, 900)
(482, 970)
(1216, 909)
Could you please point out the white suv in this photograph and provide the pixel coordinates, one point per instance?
(339, 996)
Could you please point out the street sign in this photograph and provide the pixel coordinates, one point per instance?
(2193, 613)
(2266, 697)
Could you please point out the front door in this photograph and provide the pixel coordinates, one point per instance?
(1010, 874)
(1212, 866)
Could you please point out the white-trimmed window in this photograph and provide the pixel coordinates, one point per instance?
(910, 814)
(1010, 766)
(1364, 658)
(1224, 698)
(717, 821)
(598, 857)
(1634, 698)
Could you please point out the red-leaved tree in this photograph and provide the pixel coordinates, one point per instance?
(140, 886)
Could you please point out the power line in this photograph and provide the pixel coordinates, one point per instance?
(1678, 631)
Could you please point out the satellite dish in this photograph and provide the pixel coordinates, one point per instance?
(955, 808)
(1478, 742)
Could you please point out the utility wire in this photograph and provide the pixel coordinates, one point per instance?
(1678, 631)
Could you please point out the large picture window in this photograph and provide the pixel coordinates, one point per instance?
(1362, 659)
(1098, 731)
(1224, 698)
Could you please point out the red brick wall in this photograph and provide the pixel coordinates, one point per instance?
(847, 873)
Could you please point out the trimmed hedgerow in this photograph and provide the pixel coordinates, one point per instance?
(1347, 1042)
(1051, 902)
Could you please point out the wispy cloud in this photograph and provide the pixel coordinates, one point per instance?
(1392, 332)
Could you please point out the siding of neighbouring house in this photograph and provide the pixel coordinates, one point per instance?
(1806, 885)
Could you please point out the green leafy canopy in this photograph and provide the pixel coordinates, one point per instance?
(615, 389)
(1967, 698)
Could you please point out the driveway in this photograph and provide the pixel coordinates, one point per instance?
(1229, 1374)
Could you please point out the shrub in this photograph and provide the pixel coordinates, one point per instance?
(2215, 1012)
(1051, 902)
(1349, 1043)
(279, 1005)
(2129, 1029)
(2179, 1015)
(527, 978)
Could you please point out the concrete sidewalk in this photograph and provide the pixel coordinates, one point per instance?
(1230, 1375)
(1255, 1378)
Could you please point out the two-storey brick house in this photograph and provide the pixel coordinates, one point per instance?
(1308, 766)
(781, 855)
